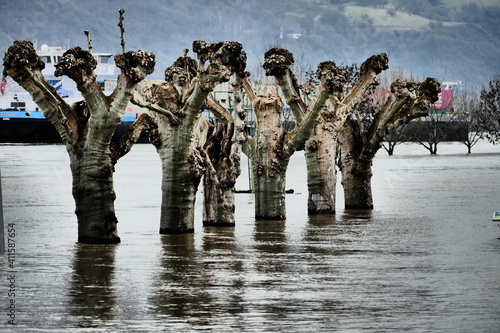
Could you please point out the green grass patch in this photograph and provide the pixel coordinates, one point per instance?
(398, 21)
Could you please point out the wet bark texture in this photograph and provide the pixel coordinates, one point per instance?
(220, 176)
(180, 100)
(272, 146)
(408, 100)
(222, 145)
(86, 127)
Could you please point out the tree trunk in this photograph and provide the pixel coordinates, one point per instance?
(223, 167)
(269, 191)
(356, 169)
(320, 151)
(180, 181)
(218, 204)
(94, 198)
(268, 162)
(356, 180)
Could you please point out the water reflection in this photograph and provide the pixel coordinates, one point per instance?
(91, 292)
(181, 282)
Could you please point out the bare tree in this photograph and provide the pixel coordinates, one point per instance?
(358, 146)
(272, 146)
(86, 127)
(467, 107)
(182, 97)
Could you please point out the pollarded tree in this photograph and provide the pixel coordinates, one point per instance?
(181, 98)
(321, 148)
(86, 127)
(272, 146)
(358, 146)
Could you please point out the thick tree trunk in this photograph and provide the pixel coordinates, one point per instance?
(356, 169)
(180, 181)
(269, 191)
(218, 207)
(269, 162)
(320, 151)
(356, 180)
(94, 198)
(223, 167)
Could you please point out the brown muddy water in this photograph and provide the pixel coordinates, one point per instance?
(426, 259)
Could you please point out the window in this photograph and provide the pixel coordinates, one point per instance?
(104, 59)
(46, 59)
(18, 105)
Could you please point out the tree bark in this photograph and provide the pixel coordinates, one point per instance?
(268, 161)
(355, 167)
(223, 168)
(320, 152)
(179, 183)
(94, 196)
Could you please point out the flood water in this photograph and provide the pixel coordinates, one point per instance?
(426, 259)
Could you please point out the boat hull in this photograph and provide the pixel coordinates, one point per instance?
(31, 128)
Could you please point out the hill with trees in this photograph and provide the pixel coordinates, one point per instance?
(449, 40)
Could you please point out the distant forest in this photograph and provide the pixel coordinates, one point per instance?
(451, 40)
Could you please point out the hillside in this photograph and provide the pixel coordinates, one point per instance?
(450, 40)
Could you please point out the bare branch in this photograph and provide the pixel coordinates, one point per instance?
(277, 63)
(143, 125)
(218, 110)
(89, 40)
(122, 30)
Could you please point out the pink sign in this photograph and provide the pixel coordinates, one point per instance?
(445, 101)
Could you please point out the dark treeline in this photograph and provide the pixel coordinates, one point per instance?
(459, 43)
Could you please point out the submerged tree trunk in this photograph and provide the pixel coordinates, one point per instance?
(86, 128)
(94, 196)
(220, 177)
(179, 185)
(320, 152)
(268, 162)
(222, 145)
(356, 169)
